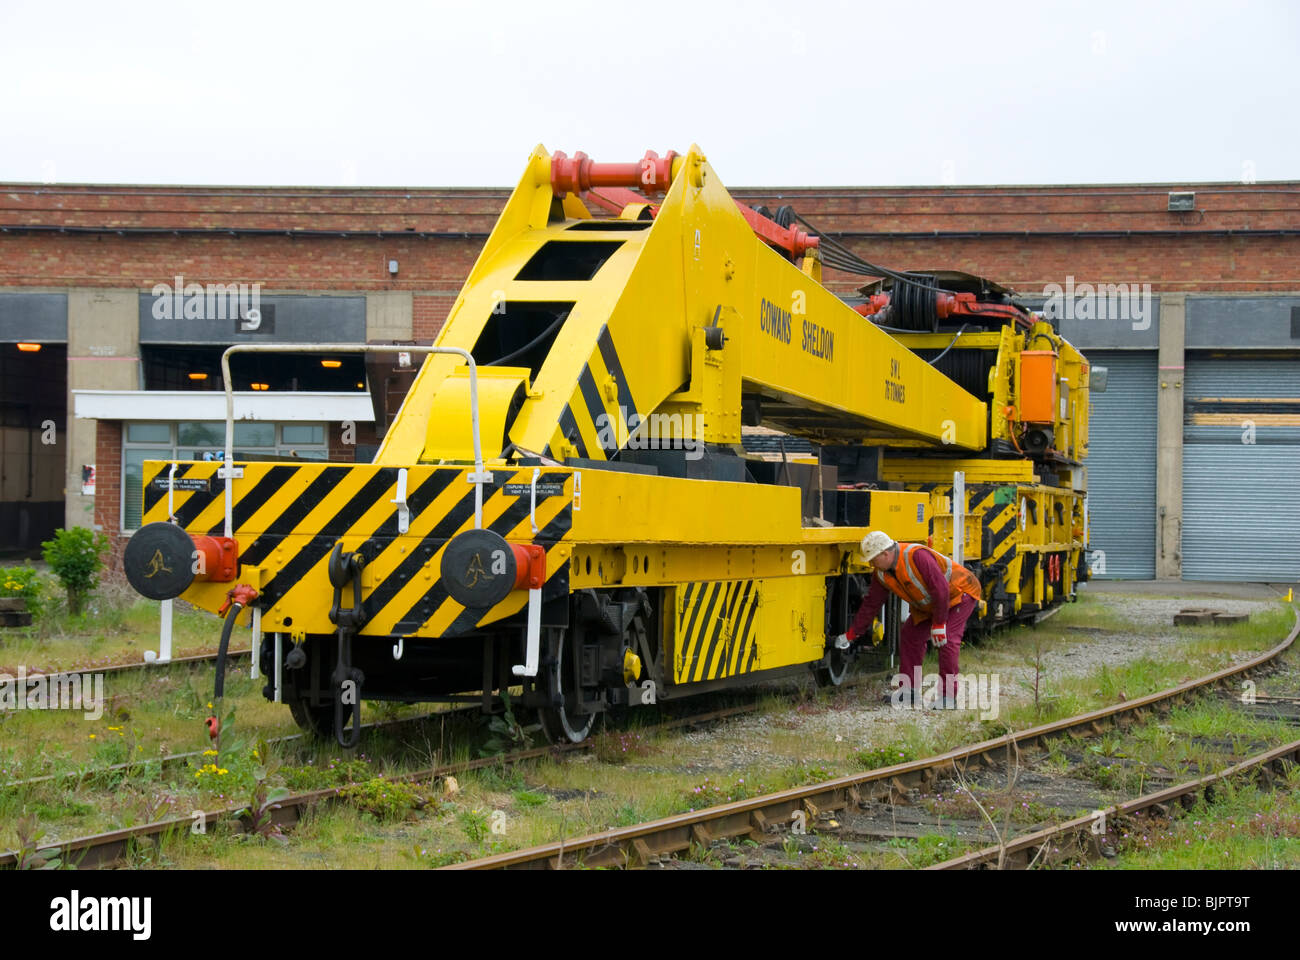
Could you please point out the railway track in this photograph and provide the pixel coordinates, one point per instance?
(108, 848)
(1080, 837)
(121, 668)
(179, 759)
(763, 819)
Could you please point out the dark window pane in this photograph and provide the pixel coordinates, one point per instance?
(302, 433)
(133, 482)
(149, 433)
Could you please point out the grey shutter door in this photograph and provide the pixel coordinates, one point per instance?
(1241, 499)
(1122, 465)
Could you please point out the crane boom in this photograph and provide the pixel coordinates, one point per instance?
(588, 327)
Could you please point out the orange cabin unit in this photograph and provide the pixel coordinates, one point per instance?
(1037, 386)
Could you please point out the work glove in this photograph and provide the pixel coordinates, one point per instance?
(877, 633)
(939, 635)
(842, 642)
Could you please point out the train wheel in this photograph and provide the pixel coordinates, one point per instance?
(318, 721)
(833, 668)
(559, 678)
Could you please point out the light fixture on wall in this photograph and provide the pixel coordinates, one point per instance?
(331, 364)
(360, 385)
(197, 376)
(29, 347)
(392, 268)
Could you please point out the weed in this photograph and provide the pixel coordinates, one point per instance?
(829, 854)
(30, 854)
(474, 824)
(335, 773)
(926, 850)
(626, 816)
(265, 798)
(884, 756)
(507, 733)
(711, 793)
(619, 746)
(382, 798)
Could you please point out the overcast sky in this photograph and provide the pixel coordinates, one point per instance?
(456, 94)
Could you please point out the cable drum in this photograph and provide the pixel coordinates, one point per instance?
(913, 306)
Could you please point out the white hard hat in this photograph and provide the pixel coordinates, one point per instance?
(874, 543)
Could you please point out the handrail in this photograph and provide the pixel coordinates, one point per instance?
(478, 477)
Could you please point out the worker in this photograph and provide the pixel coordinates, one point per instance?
(918, 574)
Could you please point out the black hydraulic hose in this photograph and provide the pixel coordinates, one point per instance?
(840, 257)
(219, 685)
(950, 345)
(532, 343)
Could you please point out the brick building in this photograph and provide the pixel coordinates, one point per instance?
(104, 363)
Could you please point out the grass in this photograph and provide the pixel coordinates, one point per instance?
(917, 853)
(1245, 827)
(634, 775)
(117, 627)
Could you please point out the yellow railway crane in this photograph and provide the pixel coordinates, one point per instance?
(562, 503)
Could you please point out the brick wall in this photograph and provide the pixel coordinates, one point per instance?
(1022, 236)
(362, 433)
(429, 312)
(108, 490)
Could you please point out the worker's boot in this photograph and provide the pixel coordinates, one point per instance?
(901, 697)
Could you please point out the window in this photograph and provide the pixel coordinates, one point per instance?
(207, 441)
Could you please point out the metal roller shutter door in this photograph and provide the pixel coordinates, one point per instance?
(1122, 465)
(1241, 500)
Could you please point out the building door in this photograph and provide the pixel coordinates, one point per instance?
(1122, 466)
(1241, 469)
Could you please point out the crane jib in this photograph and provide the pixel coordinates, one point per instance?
(818, 341)
(777, 322)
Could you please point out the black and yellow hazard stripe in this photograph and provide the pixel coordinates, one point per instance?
(980, 499)
(288, 518)
(715, 635)
(431, 611)
(1001, 524)
(595, 424)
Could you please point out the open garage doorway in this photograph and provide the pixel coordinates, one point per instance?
(33, 444)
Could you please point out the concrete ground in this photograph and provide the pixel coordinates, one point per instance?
(1191, 588)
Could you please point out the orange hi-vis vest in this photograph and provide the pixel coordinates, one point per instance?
(906, 582)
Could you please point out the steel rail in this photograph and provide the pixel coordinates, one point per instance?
(1017, 853)
(174, 758)
(125, 667)
(640, 843)
(105, 849)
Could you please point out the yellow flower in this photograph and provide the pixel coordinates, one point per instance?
(209, 753)
(223, 771)
(92, 736)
